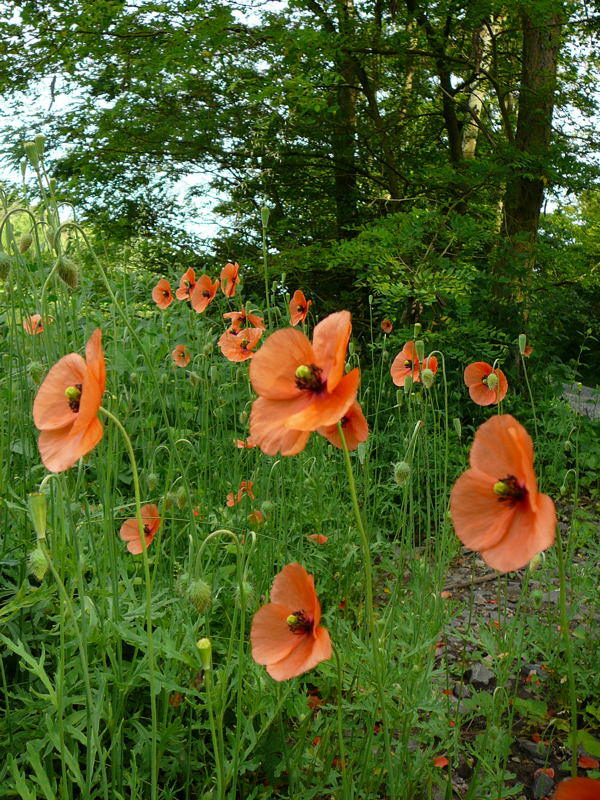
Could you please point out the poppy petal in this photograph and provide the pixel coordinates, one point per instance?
(270, 634)
(327, 408)
(60, 449)
(330, 343)
(50, 407)
(476, 372)
(501, 448)
(294, 588)
(272, 371)
(310, 652)
(578, 789)
(480, 519)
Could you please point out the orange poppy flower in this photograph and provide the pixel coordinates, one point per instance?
(386, 326)
(34, 324)
(301, 386)
(203, 293)
(528, 350)
(285, 634)
(440, 762)
(244, 445)
(485, 391)
(187, 283)
(587, 762)
(230, 278)
(162, 294)
(319, 538)
(239, 345)
(246, 487)
(66, 406)
(495, 505)
(181, 355)
(130, 532)
(299, 306)
(354, 426)
(242, 319)
(407, 363)
(578, 789)
(256, 517)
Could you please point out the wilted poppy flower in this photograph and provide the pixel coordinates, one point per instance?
(578, 789)
(354, 426)
(495, 505)
(186, 285)
(230, 278)
(203, 293)
(66, 406)
(256, 517)
(528, 350)
(246, 487)
(130, 531)
(34, 324)
(587, 762)
(242, 319)
(285, 634)
(486, 385)
(181, 355)
(299, 306)
(162, 294)
(244, 445)
(301, 387)
(319, 538)
(407, 363)
(440, 762)
(239, 345)
(386, 326)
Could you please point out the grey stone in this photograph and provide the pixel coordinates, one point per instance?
(542, 785)
(481, 676)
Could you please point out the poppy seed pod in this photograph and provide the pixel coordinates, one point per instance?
(420, 348)
(427, 378)
(40, 141)
(205, 649)
(457, 427)
(417, 329)
(25, 243)
(522, 343)
(68, 272)
(401, 472)
(408, 382)
(37, 563)
(199, 594)
(264, 216)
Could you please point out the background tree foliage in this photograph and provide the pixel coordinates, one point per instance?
(404, 147)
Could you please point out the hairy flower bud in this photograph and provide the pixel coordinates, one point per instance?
(31, 151)
(38, 511)
(40, 141)
(427, 377)
(68, 272)
(37, 563)
(199, 594)
(401, 472)
(152, 481)
(264, 216)
(417, 330)
(25, 243)
(181, 497)
(457, 427)
(249, 594)
(408, 383)
(5, 265)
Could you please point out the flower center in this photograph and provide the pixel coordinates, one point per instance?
(491, 380)
(166, 293)
(73, 395)
(147, 529)
(408, 364)
(205, 293)
(510, 490)
(309, 377)
(298, 623)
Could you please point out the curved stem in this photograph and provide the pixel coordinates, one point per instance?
(151, 660)
(568, 645)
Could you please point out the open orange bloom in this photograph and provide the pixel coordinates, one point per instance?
(34, 324)
(203, 293)
(285, 633)
(130, 531)
(486, 385)
(246, 487)
(386, 326)
(187, 283)
(66, 406)
(181, 355)
(354, 426)
(495, 506)
(230, 278)
(407, 363)
(242, 319)
(162, 294)
(578, 789)
(239, 345)
(299, 306)
(301, 386)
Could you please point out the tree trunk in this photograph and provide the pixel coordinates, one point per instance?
(482, 42)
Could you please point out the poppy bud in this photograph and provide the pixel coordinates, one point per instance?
(420, 349)
(31, 151)
(457, 427)
(36, 371)
(214, 374)
(408, 382)
(522, 343)
(38, 512)
(205, 649)
(39, 141)
(170, 500)
(567, 446)
(492, 381)
(194, 378)
(25, 243)
(268, 506)
(351, 348)
(199, 595)
(152, 480)
(208, 348)
(37, 563)
(5, 265)
(427, 378)
(535, 562)
(249, 594)
(401, 472)
(49, 234)
(23, 166)
(52, 184)
(256, 517)
(264, 216)
(417, 330)
(68, 272)
(399, 397)
(181, 497)
(243, 417)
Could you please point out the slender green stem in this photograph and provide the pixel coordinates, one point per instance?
(374, 638)
(148, 587)
(531, 400)
(340, 727)
(266, 271)
(568, 646)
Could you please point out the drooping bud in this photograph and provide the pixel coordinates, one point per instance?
(50, 236)
(205, 649)
(25, 243)
(420, 349)
(23, 166)
(68, 272)
(199, 595)
(5, 265)
(37, 563)
(208, 348)
(427, 377)
(303, 372)
(38, 511)
(268, 506)
(249, 594)
(152, 481)
(401, 472)
(40, 141)
(457, 427)
(36, 371)
(492, 381)
(31, 151)
(535, 562)
(264, 216)
(181, 497)
(522, 343)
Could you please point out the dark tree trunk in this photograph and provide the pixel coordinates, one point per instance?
(344, 156)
